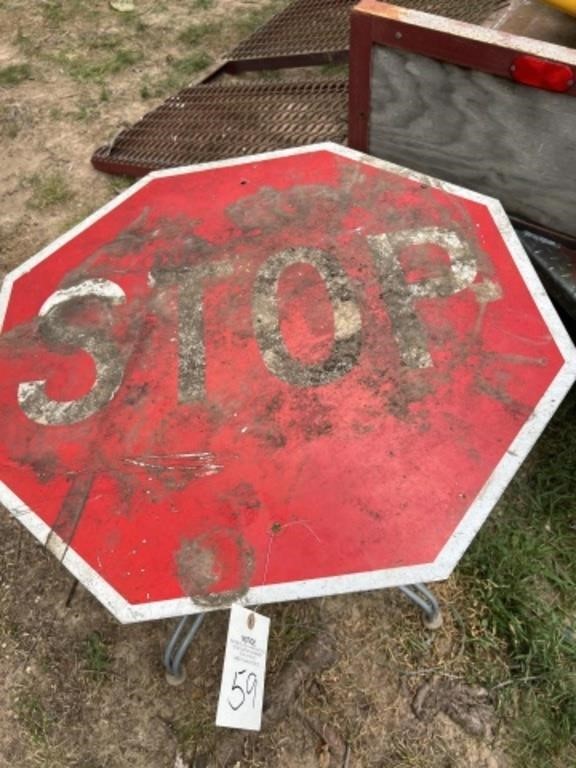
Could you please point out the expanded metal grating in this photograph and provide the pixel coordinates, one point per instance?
(316, 31)
(214, 122)
(474, 12)
(305, 32)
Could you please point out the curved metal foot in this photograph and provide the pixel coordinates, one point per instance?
(421, 596)
(178, 645)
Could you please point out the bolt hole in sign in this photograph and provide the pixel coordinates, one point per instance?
(277, 377)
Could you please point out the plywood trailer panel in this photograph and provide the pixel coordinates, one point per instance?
(441, 97)
(484, 132)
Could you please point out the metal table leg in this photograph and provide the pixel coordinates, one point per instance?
(421, 596)
(188, 626)
(178, 645)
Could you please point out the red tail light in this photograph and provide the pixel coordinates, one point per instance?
(540, 73)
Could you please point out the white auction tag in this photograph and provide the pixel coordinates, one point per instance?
(242, 688)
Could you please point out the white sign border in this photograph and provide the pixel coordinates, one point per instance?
(472, 521)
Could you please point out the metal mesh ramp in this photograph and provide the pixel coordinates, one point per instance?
(213, 122)
(305, 32)
(474, 12)
(316, 31)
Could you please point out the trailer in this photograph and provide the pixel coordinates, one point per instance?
(489, 107)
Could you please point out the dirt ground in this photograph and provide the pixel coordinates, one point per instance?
(77, 689)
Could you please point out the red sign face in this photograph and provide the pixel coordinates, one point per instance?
(296, 374)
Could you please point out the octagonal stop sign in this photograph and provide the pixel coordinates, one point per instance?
(277, 377)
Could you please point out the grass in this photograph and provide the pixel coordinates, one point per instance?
(27, 45)
(86, 67)
(14, 74)
(405, 750)
(191, 65)
(57, 12)
(34, 717)
(197, 731)
(290, 626)
(199, 40)
(120, 183)
(12, 120)
(200, 33)
(251, 20)
(97, 660)
(49, 190)
(182, 71)
(522, 570)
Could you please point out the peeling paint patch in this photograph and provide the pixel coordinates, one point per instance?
(215, 568)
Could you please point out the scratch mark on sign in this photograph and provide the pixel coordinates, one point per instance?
(539, 362)
(268, 553)
(200, 464)
(70, 513)
(498, 392)
(304, 524)
(275, 531)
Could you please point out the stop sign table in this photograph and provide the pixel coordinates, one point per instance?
(290, 375)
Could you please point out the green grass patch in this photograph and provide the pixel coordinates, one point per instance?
(97, 660)
(182, 72)
(522, 570)
(251, 20)
(120, 183)
(191, 65)
(91, 68)
(106, 41)
(222, 35)
(12, 119)
(199, 34)
(27, 44)
(49, 191)
(34, 717)
(196, 729)
(14, 74)
(61, 11)
(85, 112)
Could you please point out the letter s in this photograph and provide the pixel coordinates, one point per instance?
(55, 331)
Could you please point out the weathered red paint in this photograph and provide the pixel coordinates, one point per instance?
(261, 481)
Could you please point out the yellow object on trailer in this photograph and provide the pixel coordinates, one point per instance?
(568, 6)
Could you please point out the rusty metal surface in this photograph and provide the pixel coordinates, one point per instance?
(304, 28)
(212, 122)
(316, 31)
(472, 12)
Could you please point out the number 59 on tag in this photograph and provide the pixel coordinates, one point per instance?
(242, 688)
